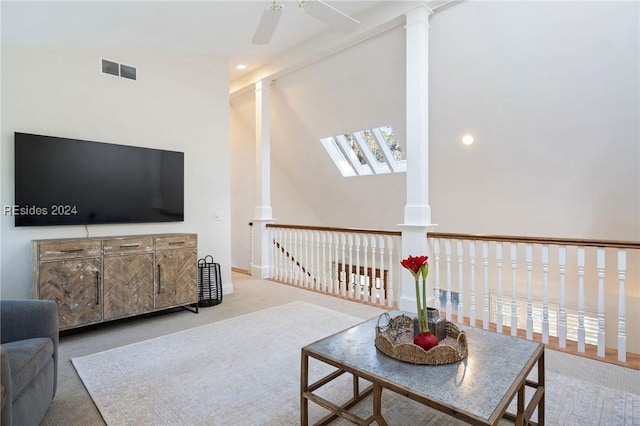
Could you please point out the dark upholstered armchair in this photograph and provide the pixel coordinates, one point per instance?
(28, 360)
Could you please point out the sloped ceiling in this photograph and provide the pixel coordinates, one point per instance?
(223, 28)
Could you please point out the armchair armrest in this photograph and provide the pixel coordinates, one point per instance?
(30, 318)
(6, 391)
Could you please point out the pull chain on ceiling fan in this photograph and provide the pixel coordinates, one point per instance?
(316, 8)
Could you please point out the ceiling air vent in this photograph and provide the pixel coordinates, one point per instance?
(127, 72)
(119, 70)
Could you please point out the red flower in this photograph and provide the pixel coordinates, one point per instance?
(418, 266)
(415, 264)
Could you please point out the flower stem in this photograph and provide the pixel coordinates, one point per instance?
(418, 305)
(424, 303)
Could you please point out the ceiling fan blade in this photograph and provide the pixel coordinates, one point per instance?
(329, 15)
(268, 23)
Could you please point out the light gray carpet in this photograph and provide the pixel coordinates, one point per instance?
(239, 371)
(246, 370)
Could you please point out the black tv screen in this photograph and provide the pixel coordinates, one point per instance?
(61, 181)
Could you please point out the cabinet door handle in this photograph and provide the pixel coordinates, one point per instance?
(176, 243)
(159, 281)
(129, 246)
(97, 287)
(76, 250)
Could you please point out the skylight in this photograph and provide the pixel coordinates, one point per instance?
(366, 152)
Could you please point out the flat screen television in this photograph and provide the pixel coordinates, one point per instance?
(61, 181)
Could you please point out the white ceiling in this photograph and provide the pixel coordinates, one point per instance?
(222, 28)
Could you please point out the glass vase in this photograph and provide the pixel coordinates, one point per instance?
(437, 324)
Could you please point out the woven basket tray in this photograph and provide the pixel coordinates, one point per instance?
(396, 340)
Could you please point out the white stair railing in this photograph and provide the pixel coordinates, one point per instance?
(565, 291)
(568, 292)
(360, 265)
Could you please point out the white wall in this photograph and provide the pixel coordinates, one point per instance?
(179, 102)
(288, 204)
(359, 88)
(550, 90)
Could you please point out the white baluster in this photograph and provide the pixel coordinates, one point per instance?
(356, 274)
(296, 257)
(382, 296)
(472, 261)
(622, 320)
(393, 280)
(308, 262)
(293, 255)
(343, 273)
(529, 260)
(290, 249)
(281, 262)
(545, 293)
(581, 333)
(287, 255)
(300, 258)
(319, 284)
(562, 327)
(351, 288)
(335, 237)
(499, 311)
(327, 249)
(436, 252)
(447, 256)
(365, 249)
(600, 265)
(485, 289)
(273, 232)
(275, 237)
(325, 282)
(337, 245)
(372, 274)
(514, 289)
(460, 283)
(276, 248)
(283, 242)
(305, 261)
(284, 233)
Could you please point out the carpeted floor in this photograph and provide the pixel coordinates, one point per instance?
(246, 370)
(601, 394)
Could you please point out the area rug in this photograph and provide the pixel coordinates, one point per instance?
(246, 371)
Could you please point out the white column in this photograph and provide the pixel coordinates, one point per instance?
(417, 211)
(261, 265)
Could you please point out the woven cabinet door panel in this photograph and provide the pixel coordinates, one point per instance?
(75, 286)
(176, 282)
(128, 285)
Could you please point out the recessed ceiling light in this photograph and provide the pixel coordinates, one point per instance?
(467, 139)
(241, 67)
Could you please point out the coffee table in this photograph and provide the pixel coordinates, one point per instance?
(477, 390)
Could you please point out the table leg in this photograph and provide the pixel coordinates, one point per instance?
(356, 386)
(377, 405)
(304, 384)
(541, 382)
(520, 413)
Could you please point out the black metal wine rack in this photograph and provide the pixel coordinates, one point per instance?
(209, 282)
